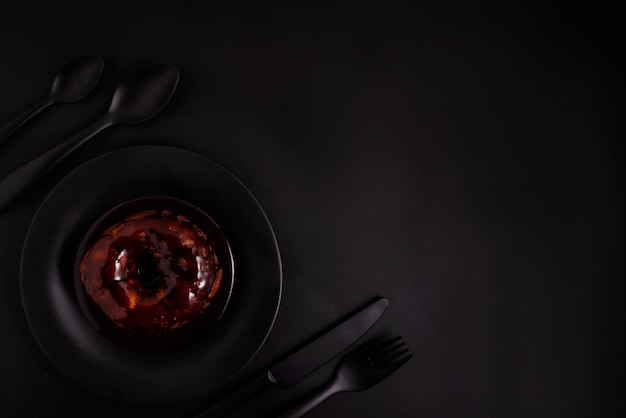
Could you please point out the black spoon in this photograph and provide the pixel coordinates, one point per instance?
(138, 98)
(72, 83)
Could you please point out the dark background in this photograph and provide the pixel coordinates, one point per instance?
(462, 159)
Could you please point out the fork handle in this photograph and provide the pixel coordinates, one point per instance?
(312, 401)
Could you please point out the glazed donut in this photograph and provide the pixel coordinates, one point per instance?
(151, 273)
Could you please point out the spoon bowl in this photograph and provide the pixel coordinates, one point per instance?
(144, 93)
(76, 79)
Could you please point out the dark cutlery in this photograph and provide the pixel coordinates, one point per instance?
(303, 362)
(138, 98)
(359, 370)
(72, 83)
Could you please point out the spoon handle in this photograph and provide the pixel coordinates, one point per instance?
(13, 185)
(14, 124)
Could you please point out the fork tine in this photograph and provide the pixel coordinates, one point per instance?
(389, 358)
(389, 368)
(379, 346)
(388, 351)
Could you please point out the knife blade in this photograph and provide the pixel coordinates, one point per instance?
(304, 361)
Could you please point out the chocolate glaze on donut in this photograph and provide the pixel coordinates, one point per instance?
(154, 274)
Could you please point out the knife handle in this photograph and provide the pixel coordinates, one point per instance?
(230, 401)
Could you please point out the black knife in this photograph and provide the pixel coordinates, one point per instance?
(303, 362)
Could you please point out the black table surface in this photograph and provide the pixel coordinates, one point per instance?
(463, 160)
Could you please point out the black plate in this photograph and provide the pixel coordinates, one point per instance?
(49, 298)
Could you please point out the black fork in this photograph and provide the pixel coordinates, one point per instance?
(359, 370)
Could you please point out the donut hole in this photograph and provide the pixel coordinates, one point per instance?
(148, 273)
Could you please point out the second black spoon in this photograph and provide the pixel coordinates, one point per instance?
(138, 98)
